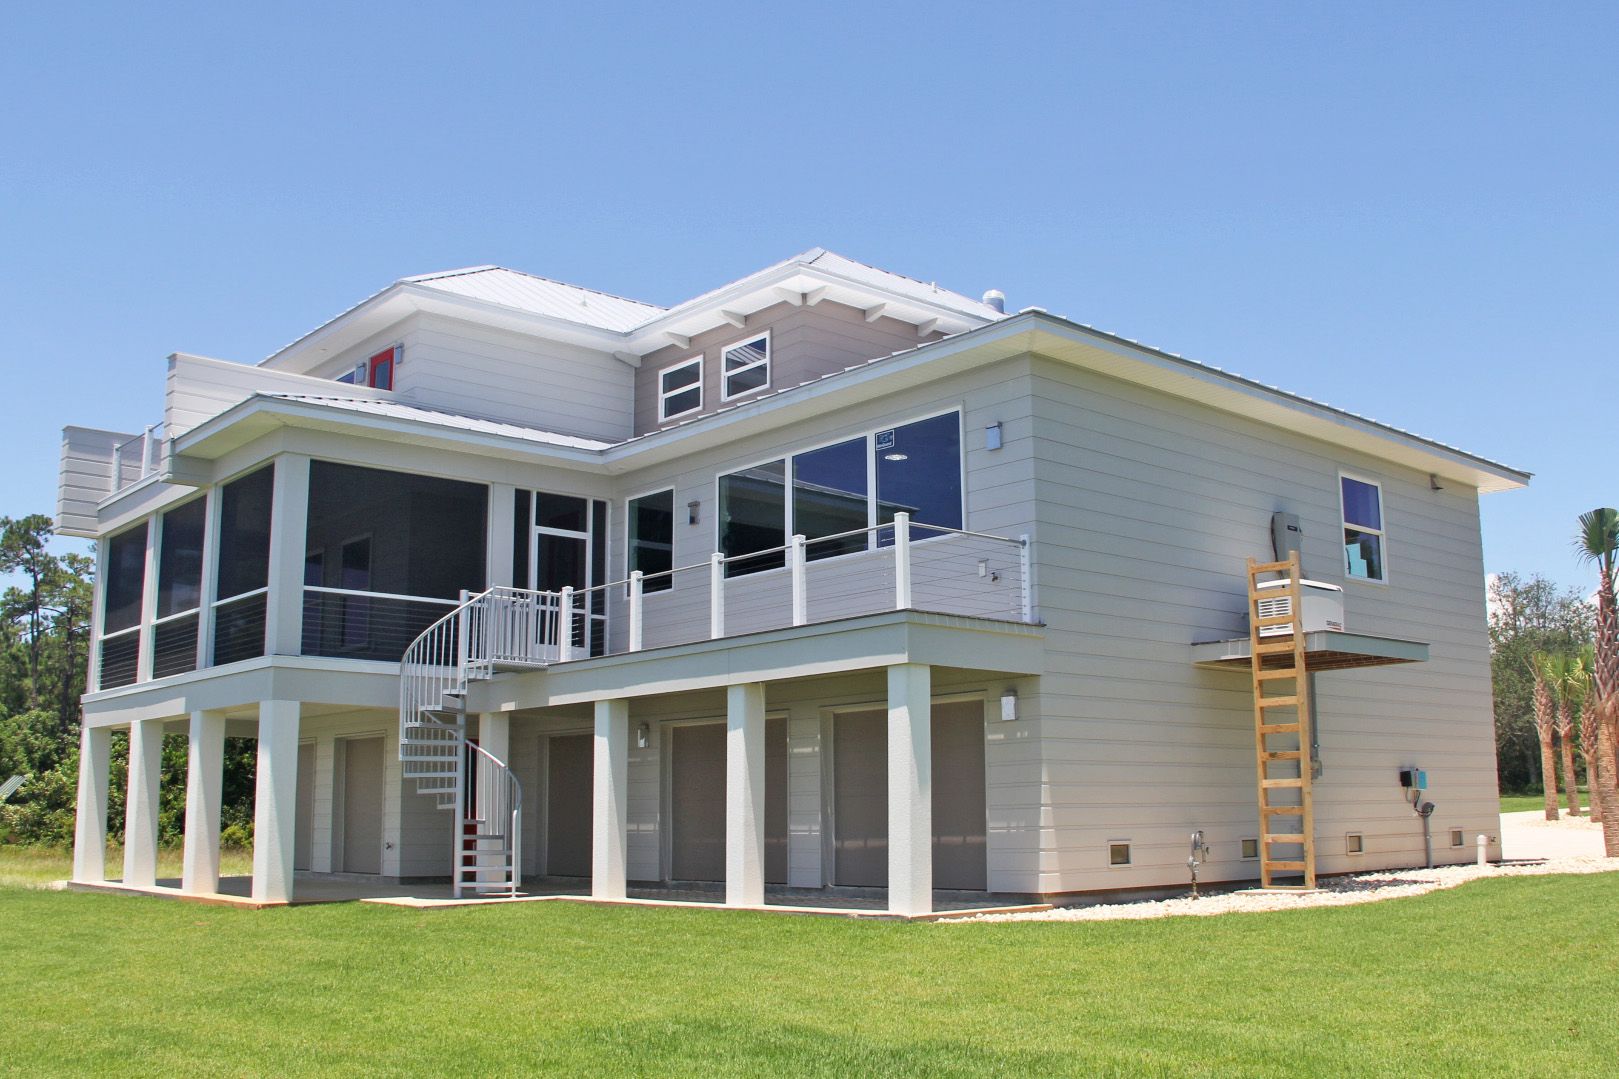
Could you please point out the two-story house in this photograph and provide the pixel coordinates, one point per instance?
(828, 578)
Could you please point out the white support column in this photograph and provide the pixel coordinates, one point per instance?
(745, 795)
(502, 520)
(141, 802)
(90, 826)
(210, 581)
(275, 801)
(205, 765)
(797, 563)
(98, 613)
(716, 596)
(902, 561)
(148, 633)
(910, 789)
(289, 526)
(610, 823)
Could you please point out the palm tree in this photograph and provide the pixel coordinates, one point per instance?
(1541, 665)
(1567, 681)
(1588, 728)
(1598, 541)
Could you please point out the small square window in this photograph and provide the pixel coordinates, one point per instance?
(1456, 838)
(1250, 849)
(1355, 843)
(1118, 853)
(680, 388)
(746, 366)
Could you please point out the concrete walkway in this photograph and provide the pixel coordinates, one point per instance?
(1531, 835)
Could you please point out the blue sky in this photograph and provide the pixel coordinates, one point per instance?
(1408, 211)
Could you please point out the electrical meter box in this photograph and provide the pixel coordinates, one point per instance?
(1413, 779)
(1286, 536)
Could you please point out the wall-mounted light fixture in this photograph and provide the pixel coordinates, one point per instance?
(1009, 706)
(1433, 482)
(691, 511)
(992, 436)
(643, 734)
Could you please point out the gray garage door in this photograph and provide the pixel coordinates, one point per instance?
(860, 797)
(303, 829)
(362, 805)
(697, 802)
(569, 782)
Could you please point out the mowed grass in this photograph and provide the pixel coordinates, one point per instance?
(1506, 977)
(24, 867)
(1522, 803)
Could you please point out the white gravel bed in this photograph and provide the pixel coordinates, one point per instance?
(1333, 892)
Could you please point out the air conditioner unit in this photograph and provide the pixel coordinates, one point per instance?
(1323, 607)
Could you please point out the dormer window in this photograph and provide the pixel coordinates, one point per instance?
(680, 388)
(746, 366)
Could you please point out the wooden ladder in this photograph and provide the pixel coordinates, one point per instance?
(1278, 657)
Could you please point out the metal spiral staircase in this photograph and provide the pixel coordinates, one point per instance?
(434, 748)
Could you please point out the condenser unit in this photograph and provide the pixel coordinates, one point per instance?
(1323, 607)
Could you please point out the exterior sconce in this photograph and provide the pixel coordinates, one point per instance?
(691, 511)
(643, 734)
(1008, 706)
(992, 436)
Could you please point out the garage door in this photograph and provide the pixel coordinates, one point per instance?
(362, 805)
(697, 802)
(303, 829)
(569, 781)
(860, 797)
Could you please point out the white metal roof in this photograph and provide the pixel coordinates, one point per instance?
(540, 296)
(393, 410)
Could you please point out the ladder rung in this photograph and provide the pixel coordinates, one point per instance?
(1275, 620)
(1289, 701)
(1272, 675)
(1278, 728)
(1270, 567)
(1296, 866)
(1275, 647)
(1287, 811)
(1282, 755)
(1274, 784)
(1285, 837)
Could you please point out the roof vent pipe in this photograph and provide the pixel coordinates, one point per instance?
(997, 299)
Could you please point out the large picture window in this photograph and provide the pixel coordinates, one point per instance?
(652, 539)
(917, 467)
(745, 366)
(1363, 529)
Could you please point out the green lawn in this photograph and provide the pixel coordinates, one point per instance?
(1520, 803)
(1496, 978)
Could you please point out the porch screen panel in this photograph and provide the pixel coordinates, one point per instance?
(386, 554)
(244, 565)
(121, 607)
(179, 589)
(753, 517)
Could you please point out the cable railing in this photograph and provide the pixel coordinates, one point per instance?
(137, 458)
(897, 566)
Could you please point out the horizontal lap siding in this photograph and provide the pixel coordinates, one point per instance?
(555, 387)
(85, 476)
(1148, 507)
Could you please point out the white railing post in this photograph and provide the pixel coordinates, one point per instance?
(565, 626)
(635, 610)
(1025, 586)
(463, 646)
(902, 561)
(716, 596)
(117, 469)
(148, 466)
(800, 600)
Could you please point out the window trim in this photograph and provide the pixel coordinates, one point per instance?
(959, 409)
(1381, 533)
(766, 363)
(629, 544)
(664, 415)
(372, 363)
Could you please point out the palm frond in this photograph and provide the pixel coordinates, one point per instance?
(1597, 539)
